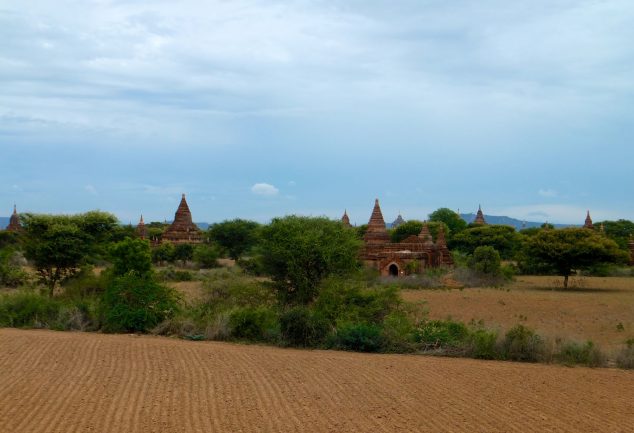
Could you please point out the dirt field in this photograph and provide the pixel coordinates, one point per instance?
(592, 309)
(75, 382)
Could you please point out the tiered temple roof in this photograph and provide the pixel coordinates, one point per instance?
(588, 223)
(141, 230)
(345, 219)
(479, 219)
(14, 221)
(376, 232)
(183, 229)
(398, 221)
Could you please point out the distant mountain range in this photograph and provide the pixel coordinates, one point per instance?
(468, 217)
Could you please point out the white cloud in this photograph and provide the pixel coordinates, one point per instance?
(91, 189)
(264, 189)
(547, 192)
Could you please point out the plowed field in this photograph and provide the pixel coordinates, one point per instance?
(76, 382)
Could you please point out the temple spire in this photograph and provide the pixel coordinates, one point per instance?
(141, 230)
(479, 219)
(588, 223)
(345, 219)
(376, 232)
(14, 221)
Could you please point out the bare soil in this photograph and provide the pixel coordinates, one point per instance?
(593, 308)
(76, 382)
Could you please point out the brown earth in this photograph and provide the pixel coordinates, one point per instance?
(76, 382)
(591, 309)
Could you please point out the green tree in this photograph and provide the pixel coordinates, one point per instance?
(405, 230)
(571, 249)
(236, 236)
(503, 238)
(163, 253)
(299, 252)
(454, 222)
(131, 256)
(206, 255)
(485, 260)
(619, 231)
(58, 245)
(184, 253)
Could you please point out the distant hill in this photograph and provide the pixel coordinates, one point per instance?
(508, 221)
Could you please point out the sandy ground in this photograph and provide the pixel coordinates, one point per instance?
(592, 310)
(76, 382)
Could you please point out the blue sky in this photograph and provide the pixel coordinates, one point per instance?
(261, 108)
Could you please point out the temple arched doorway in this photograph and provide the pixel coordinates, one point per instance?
(393, 270)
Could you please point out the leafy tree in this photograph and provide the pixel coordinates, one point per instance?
(405, 230)
(571, 249)
(236, 236)
(206, 255)
(619, 231)
(184, 252)
(485, 260)
(9, 239)
(454, 222)
(58, 245)
(360, 230)
(131, 256)
(299, 252)
(503, 238)
(163, 253)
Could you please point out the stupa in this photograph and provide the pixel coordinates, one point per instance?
(183, 230)
(479, 219)
(588, 223)
(14, 221)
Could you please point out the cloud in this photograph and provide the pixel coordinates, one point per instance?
(91, 189)
(547, 193)
(264, 189)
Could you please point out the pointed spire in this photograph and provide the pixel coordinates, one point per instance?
(376, 232)
(15, 209)
(183, 229)
(345, 219)
(141, 230)
(588, 223)
(479, 219)
(14, 221)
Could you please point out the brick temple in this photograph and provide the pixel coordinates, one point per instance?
(183, 230)
(588, 222)
(14, 221)
(411, 255)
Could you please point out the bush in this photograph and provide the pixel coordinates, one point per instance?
(85, 283)
(171, 274)
(482, 344)
(360, 337)
(206, 256)
(136, 304)
(398, 333)
(301, 326)
(486, 260)
(28, 309)
(625, 358)
(522, 344)
(586, 354)
(11, 274)
(441, 333)
(255, 324)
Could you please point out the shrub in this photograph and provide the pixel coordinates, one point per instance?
(587, 354)
(11, 274)
(441, 333)
(398, 333)
(256, 324)
(137, 304)
(360, 337)
(482, 344)
(486, 260)
(206, 256)
(229, 288)
(172, 274)
(625, 358)
(301, 326)
(522, 344)
(28, 309)
(85, 283)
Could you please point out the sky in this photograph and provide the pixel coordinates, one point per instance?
(262, 108)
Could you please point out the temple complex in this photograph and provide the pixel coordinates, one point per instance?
(588, 223)
(183, 230)
(14, 221)
(479, 219)
(141, 230)
(411, 255)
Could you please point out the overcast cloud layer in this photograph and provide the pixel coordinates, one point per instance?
(263, 108)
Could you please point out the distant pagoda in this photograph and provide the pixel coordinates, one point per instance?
(345, 219)
(376, 232)
(398, 221)
(141, 230)
(14, 221)
(183, 230)
(588, 223)
(479, 219)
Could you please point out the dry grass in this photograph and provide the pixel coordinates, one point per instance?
(598, 309)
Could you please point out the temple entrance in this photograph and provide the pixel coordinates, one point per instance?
(393, 270)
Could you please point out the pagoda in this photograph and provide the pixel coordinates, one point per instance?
(14, 221)
(183, 230)
(376, 232)
(479, 219)
(398, 221)
(345, 219)
(141, 230)
(588, 223)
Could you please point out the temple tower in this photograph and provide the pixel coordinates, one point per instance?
(444, 255)
(14, 221)
(345, 219)
(183, 229)
(479, 219)
(376, 232)
(141, 230)
(588, 223)
(398, 221)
